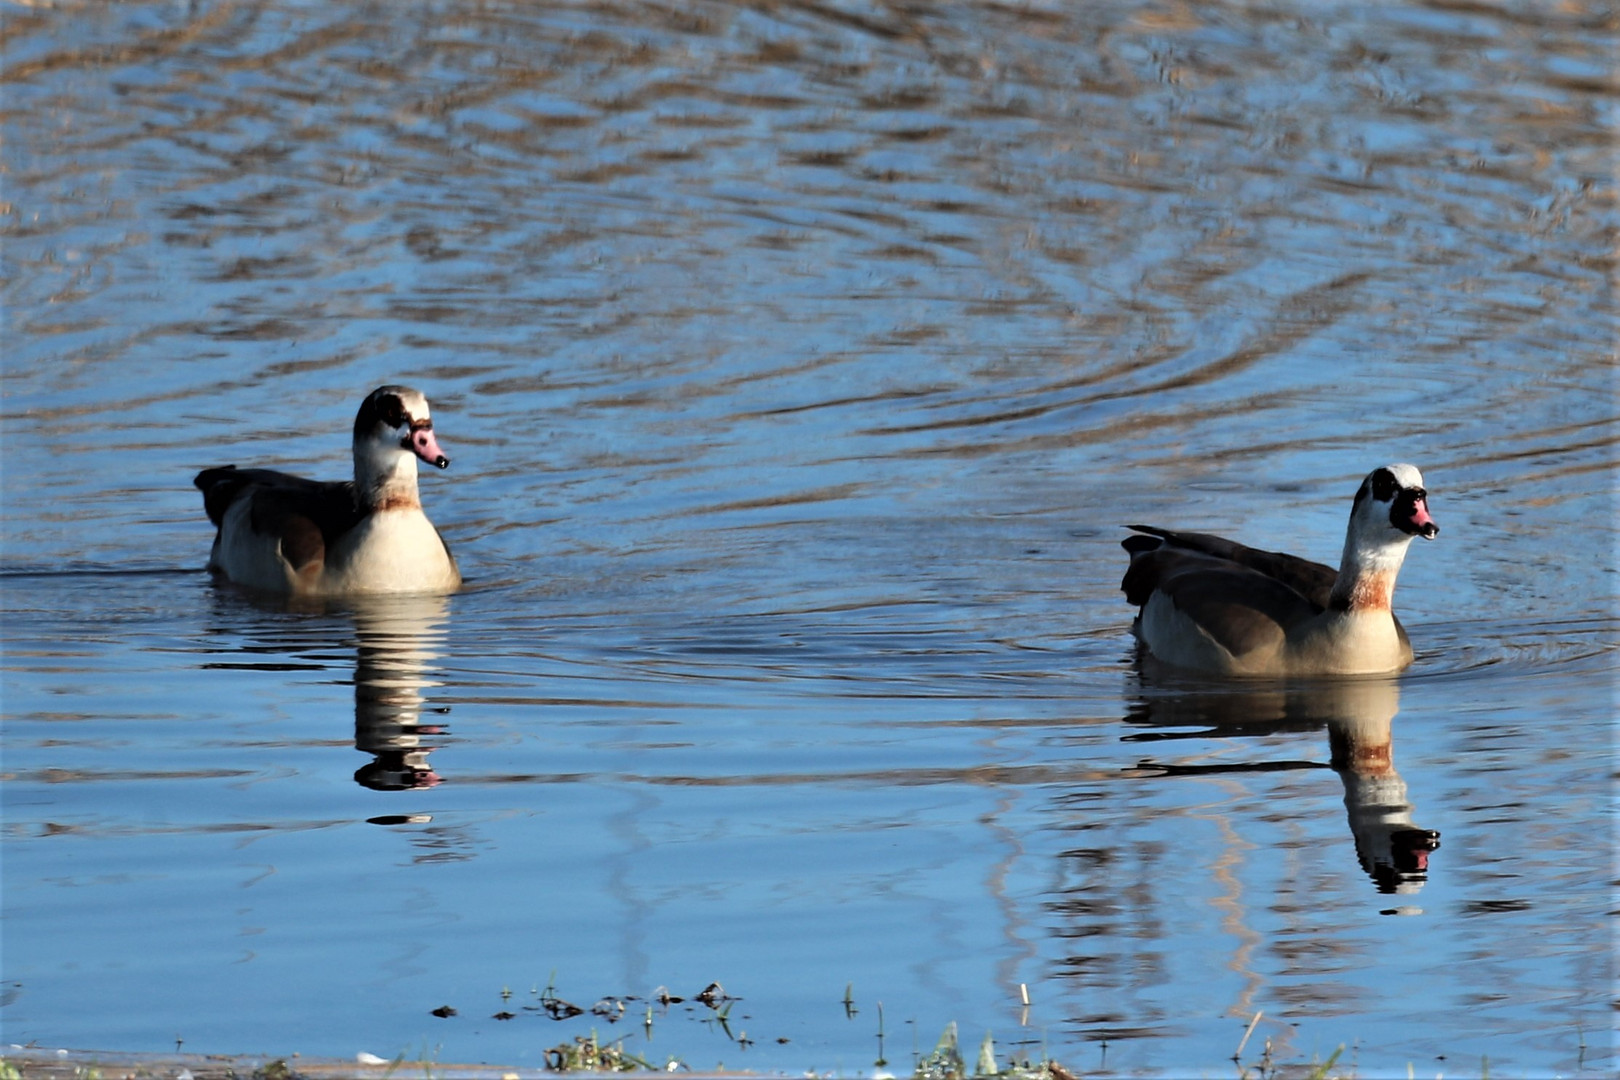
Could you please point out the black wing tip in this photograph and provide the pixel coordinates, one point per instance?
(209, 477)
(1147, 538)
(219, 486)
(1141, 545)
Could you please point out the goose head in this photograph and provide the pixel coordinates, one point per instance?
(1391, 508)
(393, 429)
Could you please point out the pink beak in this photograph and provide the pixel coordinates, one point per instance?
(426, 447)
(1425, 525)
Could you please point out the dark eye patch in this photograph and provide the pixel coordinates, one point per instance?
(1407, 499)
(1384, 485)
(383, 406)
(1404, 509)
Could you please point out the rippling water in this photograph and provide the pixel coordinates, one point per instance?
(799, 365)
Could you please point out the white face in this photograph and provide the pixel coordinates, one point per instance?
(413, 401)
(395, 420)
(1393, 506)
(1407, 475)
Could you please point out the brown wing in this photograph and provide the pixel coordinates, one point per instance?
(1225, 587)
(1311, 580)
(307, 515)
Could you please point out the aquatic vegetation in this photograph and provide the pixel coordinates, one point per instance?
(587, 1053)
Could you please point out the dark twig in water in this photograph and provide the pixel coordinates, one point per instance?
(713, 993)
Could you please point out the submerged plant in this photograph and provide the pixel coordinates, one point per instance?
(588, 1054)
(945, 1063)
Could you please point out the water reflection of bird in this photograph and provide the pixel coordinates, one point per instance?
(1208, 604)
(398, 638)
(1358, 715)
(286, 534)
(1393, 850)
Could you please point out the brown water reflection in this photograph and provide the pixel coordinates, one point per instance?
(1358, 716)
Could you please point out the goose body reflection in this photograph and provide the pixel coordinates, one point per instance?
(396, 642)
(1358, 714)
(1394, 851)
(1209, 604)
(399, 637)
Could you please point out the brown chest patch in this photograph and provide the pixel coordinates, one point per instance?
(1370, 592)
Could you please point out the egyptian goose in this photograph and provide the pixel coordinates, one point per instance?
(1211, 605)
(285, 534)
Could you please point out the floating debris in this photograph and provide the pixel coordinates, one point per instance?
(554, 1006)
